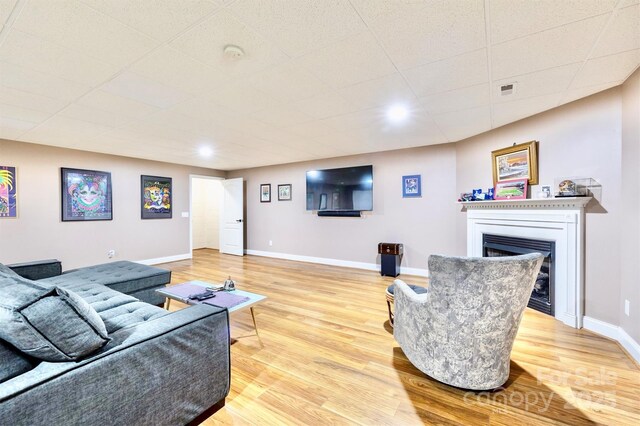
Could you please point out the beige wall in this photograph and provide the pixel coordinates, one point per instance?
(580, 139)
(630, 235)
(38, 232)
(424, 225)
(205, 212)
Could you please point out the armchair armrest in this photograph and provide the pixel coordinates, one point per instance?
(38, 269)
(165, 371)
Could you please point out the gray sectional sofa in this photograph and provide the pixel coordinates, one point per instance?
(146, 365)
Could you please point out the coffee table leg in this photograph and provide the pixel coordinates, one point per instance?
(254, 321)
(167, 303)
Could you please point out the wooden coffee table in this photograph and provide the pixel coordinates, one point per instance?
(253, 298)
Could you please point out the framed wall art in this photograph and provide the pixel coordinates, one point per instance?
(284, 192)
(516, 162)
(156, 197)
(515, 189)
(8, 192)
(265, 193)
(411, 186)
(86, 195)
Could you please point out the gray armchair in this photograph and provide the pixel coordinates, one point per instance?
(462, 330)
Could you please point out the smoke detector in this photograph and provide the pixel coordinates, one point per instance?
(507, 89)
(233, 53)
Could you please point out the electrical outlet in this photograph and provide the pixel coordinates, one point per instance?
(270, 243)
(626, 307)
(111, 253)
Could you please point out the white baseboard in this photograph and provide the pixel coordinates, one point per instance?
(167, 259)
(613, 332)
(335, 262)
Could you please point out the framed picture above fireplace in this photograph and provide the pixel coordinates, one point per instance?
(516, 162)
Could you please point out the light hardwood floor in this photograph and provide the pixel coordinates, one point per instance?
(328, 357)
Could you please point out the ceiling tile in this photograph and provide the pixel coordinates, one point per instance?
(442, 30)
(516, 18)
(94, 115)
(297, 26)
(560, 46)
(109, 102)
(141, 89)
(26, 80)
(622, 33)
(350, 61)
(554, 80)
(62, 131)
(83, 29)
(36, 54)
(325, 105)
(28, 100)
(288, 82)
(465, 70)
(242, 97)
(625, 3)
(582, 92)
(607, 69)
(462, 124)
(23, 114)
(371, 11)
(6, 7)
(206, 43)
(379, 92)
(174, 69)
(13, 129)
(281, 116)
(162, 20)
(508, 112)
(466, 98)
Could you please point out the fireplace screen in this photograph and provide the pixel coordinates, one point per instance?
(542, 294)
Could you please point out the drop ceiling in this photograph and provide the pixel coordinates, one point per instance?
(148, 79)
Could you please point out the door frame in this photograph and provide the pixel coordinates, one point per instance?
(191, 178)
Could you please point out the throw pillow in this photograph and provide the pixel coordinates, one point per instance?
(52, 324)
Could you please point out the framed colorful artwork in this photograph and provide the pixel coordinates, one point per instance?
(265, 193)
(8, 192)
(156, 193)
(515, 189)
(86, 195)
(284, 192)
(516, 162)
(411, 186)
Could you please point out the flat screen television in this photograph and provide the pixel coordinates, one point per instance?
(345, 189)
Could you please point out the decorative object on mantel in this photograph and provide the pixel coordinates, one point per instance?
(545, 191)
(515, 189)
(574, 187)
(516, 162)
(265, 193)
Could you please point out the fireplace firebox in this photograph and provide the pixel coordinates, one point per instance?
(542, 296)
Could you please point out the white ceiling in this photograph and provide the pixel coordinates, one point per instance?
(148, 79)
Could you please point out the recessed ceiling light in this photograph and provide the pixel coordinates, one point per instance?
(397, 113)
(205, 151)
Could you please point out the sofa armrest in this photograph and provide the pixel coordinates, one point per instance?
(38, 270)
(163, 371)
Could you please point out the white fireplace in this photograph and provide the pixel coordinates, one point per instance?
(560, 220)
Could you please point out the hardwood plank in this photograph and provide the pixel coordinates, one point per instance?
(328, 357)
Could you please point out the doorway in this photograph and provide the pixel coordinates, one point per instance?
(206, 203)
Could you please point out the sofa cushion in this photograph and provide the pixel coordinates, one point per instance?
(52, 324)
(123, 276)
(13, 362)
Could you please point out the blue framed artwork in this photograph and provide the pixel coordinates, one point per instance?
(411, 186)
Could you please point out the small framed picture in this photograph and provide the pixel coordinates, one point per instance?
(284, 192)
(155, 192)
(515, 189)
(411, 186)
(265, 193)
(86, 195)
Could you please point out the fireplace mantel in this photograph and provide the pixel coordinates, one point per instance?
(551, 219)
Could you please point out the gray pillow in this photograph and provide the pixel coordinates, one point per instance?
(52, 324)
(13, 362)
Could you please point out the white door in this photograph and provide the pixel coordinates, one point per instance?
(232, 218)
